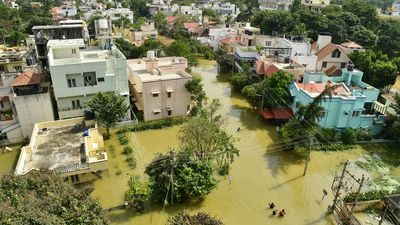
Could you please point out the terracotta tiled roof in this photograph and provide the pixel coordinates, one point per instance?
(320, 87)
(331, 71)
(314, 46)
(329, 48)
(4, 98)
(191, 25)
(278, 113)
(229, 40)
(26, 78)
(271, 70)
(171, 19)
(265, 68)
(351, 44)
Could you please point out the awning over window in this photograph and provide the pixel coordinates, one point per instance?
(155, 92)
(170, 90)
(156, 110)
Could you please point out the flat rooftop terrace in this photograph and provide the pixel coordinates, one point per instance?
(57, 147)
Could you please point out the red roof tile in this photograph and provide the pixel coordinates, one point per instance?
(278, 113)
(329, 48)
(26, 78)
(190, 25)
(171, 19)
(229, 40)
(320, 87)
(271, 70)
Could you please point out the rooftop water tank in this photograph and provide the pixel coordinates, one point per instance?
(151, 54)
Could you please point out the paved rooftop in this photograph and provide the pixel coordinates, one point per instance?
(56, 147)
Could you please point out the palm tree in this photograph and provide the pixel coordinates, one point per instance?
(309, 115)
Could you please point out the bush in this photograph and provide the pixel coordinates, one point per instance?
(131, 160)
(363, 135)
(348, 136)
(335, 147)
(366, 196)
(326, 135)
(123, 140)
(118, 172)
(224, 170)
(112, 150)
(154, 124)
(127, 150)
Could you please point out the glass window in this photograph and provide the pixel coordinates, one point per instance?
(336, 53)
(324, 64)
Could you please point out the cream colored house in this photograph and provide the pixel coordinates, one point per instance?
(330, 57)
(158, 86)
(316, 5)
(147, 31)
(68, 147)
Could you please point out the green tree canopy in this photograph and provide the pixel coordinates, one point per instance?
(160, 22)
(139, 191)
(41, 197)
(175, 177)
(205, 139)
(378, 70)
(139, 8)
(270, 92)
(109, 108)
(183, 49)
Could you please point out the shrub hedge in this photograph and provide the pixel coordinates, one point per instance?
(366, 196)
(154, 124)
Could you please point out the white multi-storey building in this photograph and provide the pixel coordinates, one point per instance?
(158, 86)
(275, 4)
(112, 14)
(78, 72)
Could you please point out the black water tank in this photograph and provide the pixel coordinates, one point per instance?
(350, 67)
(89, 115)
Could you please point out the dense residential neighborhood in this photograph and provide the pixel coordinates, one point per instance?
(200, 112)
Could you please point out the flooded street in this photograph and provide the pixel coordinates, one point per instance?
(260, 175)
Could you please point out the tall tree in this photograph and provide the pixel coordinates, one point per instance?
(378, 70)
(176, 177)
(204, 138)
(109, 108)
(139, 8)
(42, 197)
(139, 191)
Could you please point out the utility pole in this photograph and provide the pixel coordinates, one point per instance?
(308, 155)
(357, 193)
(337, 193)
(384, 213)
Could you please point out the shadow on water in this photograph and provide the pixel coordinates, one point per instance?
(279, 161)
(286, 182)
(124, 215)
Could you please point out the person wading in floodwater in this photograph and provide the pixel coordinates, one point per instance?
(238, 129)
(325, 194)
(230, 179)
(271, 205)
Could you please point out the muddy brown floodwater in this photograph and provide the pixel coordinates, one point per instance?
(260, 175)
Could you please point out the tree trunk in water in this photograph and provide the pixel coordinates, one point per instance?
(108, 130)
